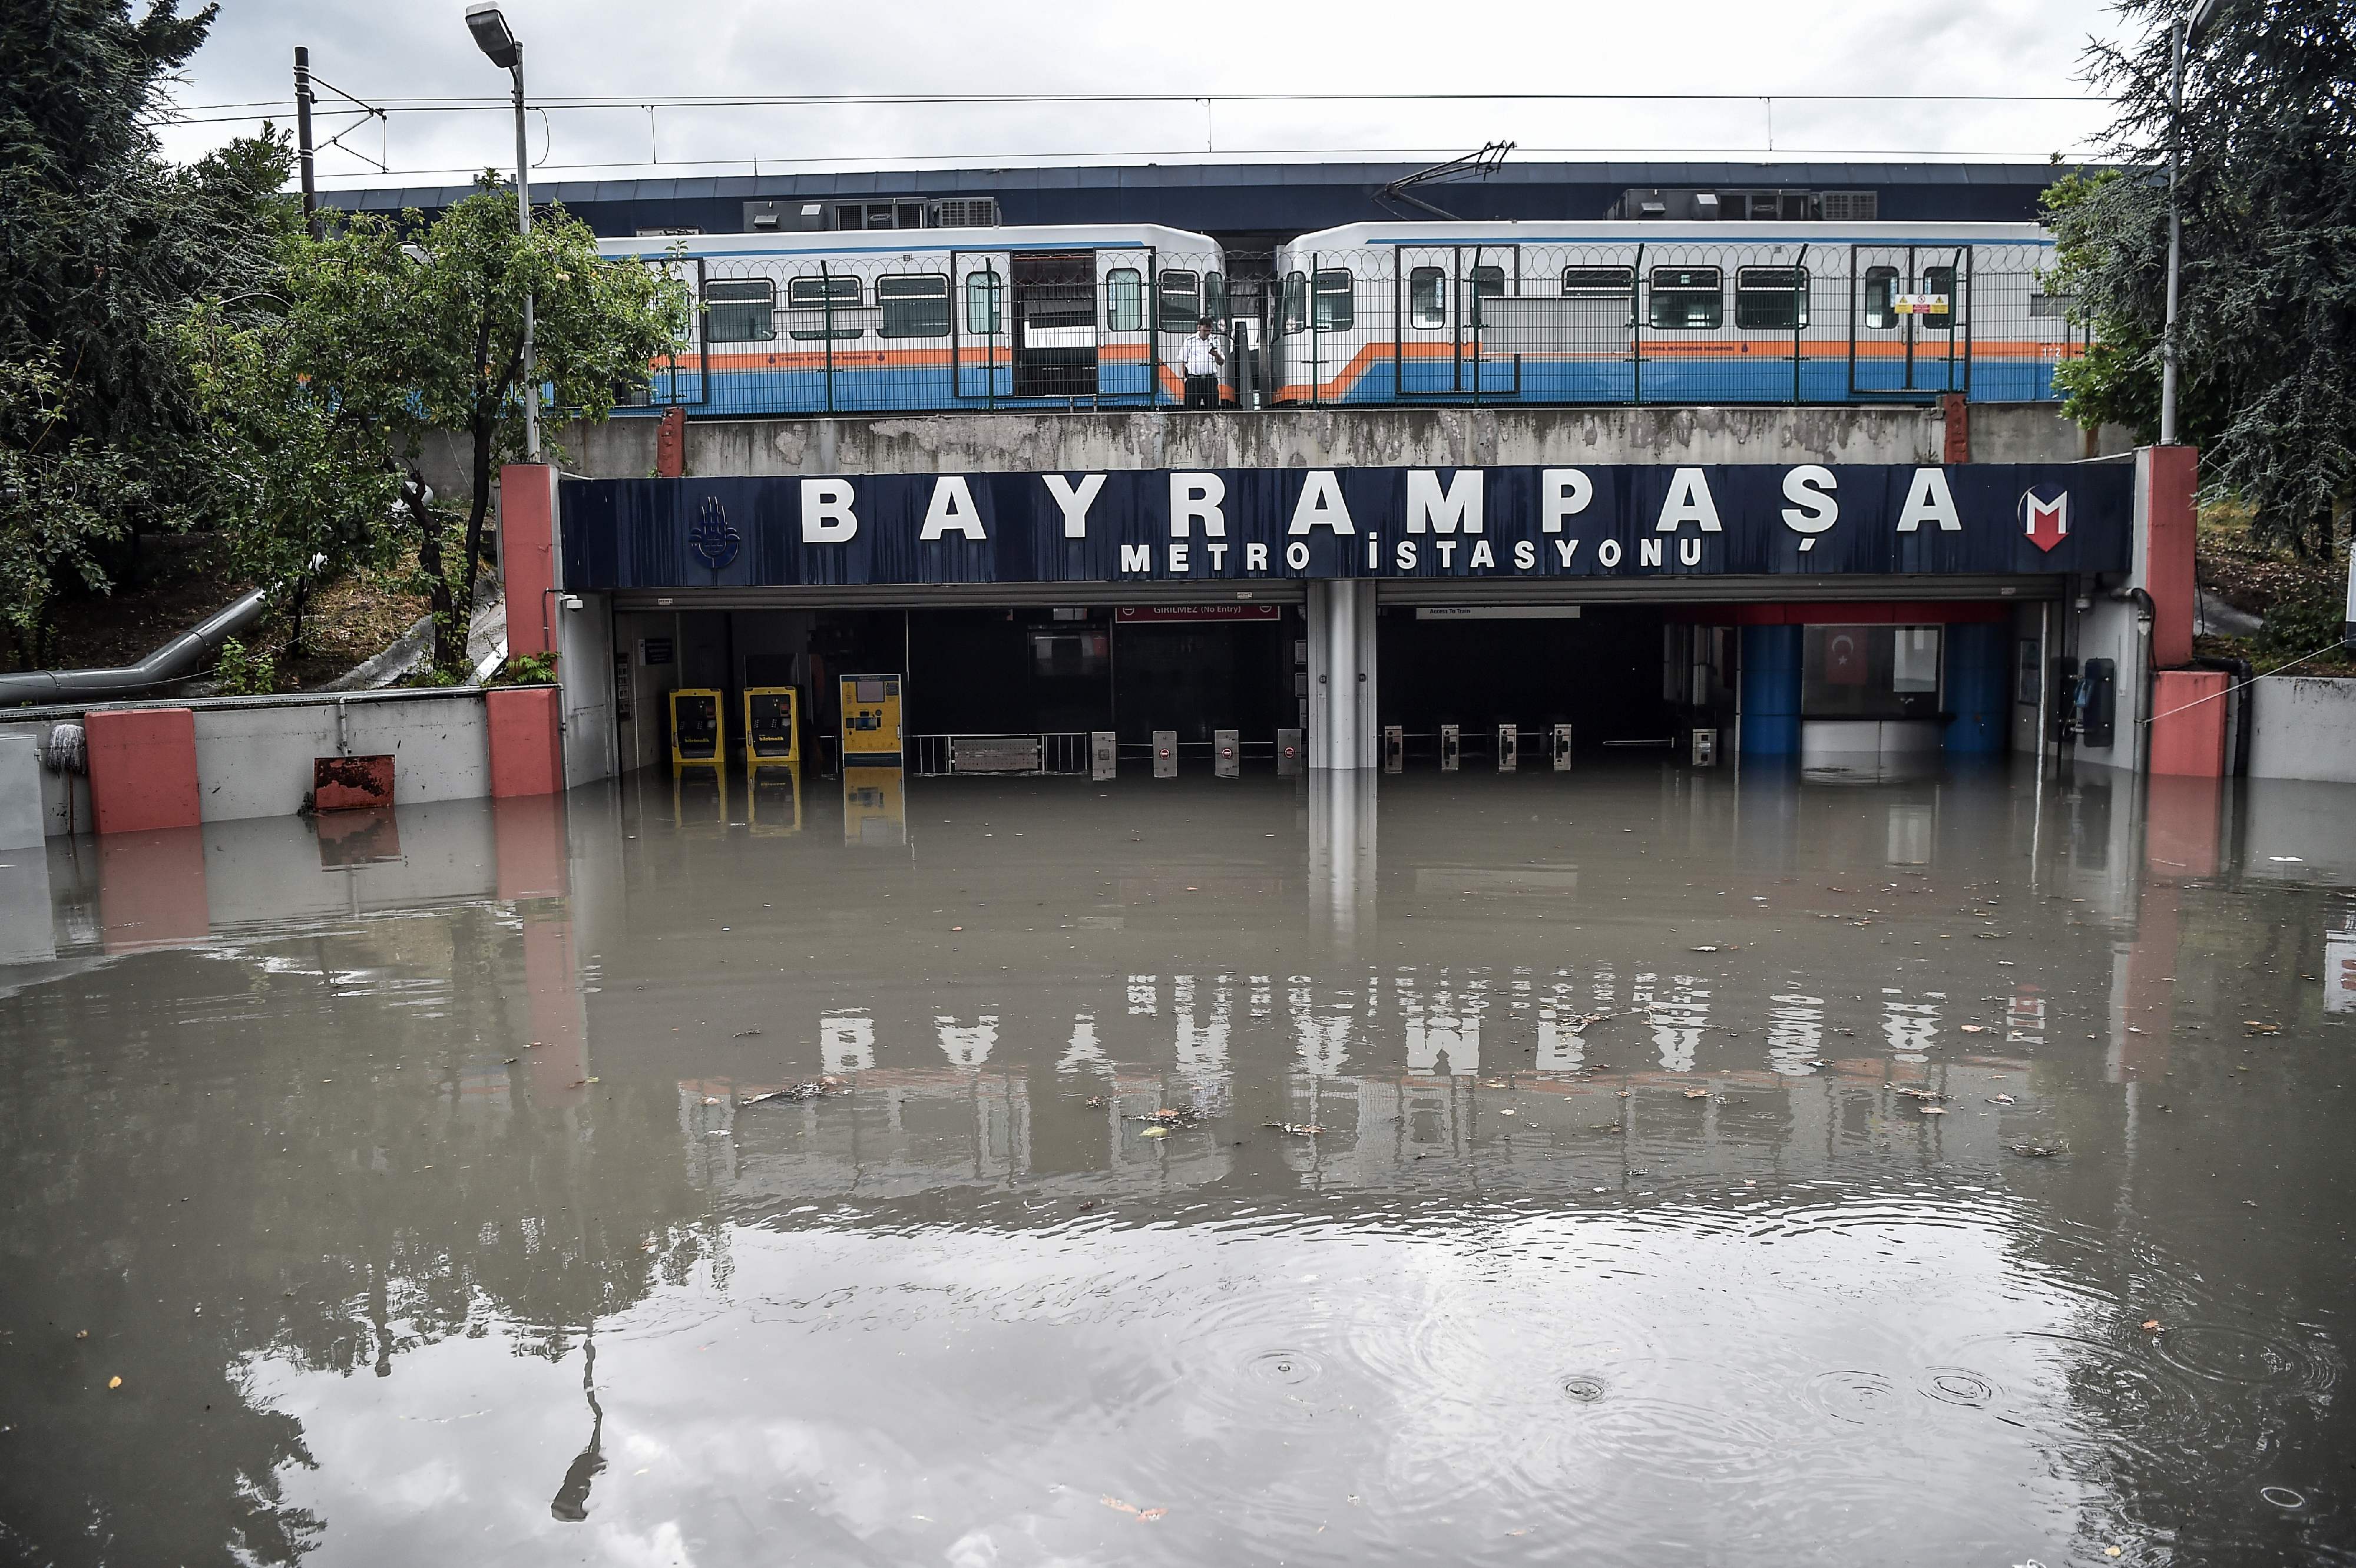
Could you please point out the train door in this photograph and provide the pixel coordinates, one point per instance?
(980, 320)
(1910, 318)
(1054, 325)
(1441, 326)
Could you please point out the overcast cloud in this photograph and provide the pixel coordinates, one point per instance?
(387, 50)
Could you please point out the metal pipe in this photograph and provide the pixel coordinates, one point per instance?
(176, 659)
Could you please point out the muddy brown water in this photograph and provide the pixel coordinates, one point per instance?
(1706, 1170)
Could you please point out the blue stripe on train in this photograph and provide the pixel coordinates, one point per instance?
(890, 390)
(1700, 381)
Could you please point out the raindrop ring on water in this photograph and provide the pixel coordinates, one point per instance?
(1288, 1366)
(2281, 1498)
(1584, 1390)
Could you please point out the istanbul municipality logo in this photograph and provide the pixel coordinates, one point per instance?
(2045, 515)
(709, 536)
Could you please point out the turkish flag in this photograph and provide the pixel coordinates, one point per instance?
(1844, 659)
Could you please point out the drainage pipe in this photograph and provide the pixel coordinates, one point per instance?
(176, 659)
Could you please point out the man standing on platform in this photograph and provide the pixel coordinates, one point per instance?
(1199, 360)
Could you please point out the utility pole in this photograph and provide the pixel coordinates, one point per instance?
(303, 139)
(498, 43)
(2186, 34)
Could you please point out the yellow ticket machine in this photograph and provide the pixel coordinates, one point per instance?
(696, 740)
(772, 726)
(871, 721)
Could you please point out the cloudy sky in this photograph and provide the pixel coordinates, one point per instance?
(446, 115)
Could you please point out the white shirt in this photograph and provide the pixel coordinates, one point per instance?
(1199, 356)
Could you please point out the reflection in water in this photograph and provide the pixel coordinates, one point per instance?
(571, 1502)
(1692, 1166)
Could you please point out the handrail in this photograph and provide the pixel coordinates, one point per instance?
(176, 659)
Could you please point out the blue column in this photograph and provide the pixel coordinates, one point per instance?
(1771, 691)
(1979, 688)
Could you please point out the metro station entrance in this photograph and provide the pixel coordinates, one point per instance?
(1059, 673)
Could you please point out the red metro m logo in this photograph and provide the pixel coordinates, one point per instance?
(2045, 515)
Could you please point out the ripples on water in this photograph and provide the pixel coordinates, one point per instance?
(1618, 1241)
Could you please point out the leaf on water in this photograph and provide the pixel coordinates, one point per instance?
(1935, 1111)
(1974, 1029)
(1697, 1094)
(2151, 1325)
(1115, 1503)
(1155, 1133)
(1147, 1516)
(115, 1383)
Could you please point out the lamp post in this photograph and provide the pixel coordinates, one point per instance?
(2187, 30)
(498, 43)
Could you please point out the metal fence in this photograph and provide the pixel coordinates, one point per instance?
(1678, 322)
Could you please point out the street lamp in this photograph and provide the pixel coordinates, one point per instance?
(498, 43)
(2188, 28)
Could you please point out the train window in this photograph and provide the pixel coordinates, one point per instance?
(1182, 301)
(2056, 307)
(1296, 302)
(1881, 296)
(1125, 300)
(1769, 299)
(1691, 297)
(740, 310)
(914, 307)
(1940, 283)
(982, 304)
(1587, 283)
(811, 298)
(1215, 296)
(1426, 298)
(1335, 304)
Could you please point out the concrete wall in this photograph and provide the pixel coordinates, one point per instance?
(254, 754)
(1319, 437)
(2304, 727)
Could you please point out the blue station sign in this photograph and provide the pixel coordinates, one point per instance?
(1160, 525)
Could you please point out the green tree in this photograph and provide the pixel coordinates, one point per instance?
(2267, 326)
(63, 497)
(413, 328)
(102, 244)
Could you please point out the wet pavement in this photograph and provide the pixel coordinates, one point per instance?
(1637, 1165)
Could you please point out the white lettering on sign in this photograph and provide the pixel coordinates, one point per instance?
(1405, 555)
(1483, 558)
(1137, 558)
(1563, 492)
(1688, 500)
(1197, 498)
(1178, 558)
(1565, 548)
(1607, 553)
(1320, 506)
(1255, 557)
(1928, 500)
(1073, 501)
(1809, 488)
(826, 517)
(1443, 511)
(1648, 553)
(951, 510)
(1296, 556)
(1526, 555)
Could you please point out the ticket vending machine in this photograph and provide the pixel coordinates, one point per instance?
(696, 737)
(772, 726)
(871, 721)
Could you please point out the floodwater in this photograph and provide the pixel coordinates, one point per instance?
(1630, 1167)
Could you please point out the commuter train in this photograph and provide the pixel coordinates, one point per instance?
(1081, 316)
(1667, 312)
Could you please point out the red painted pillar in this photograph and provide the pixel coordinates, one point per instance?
(2187, 721)
(142, 768)
(671, 443)
(2172, 473)
(527, 741)
(528, 555)
(1955, 419)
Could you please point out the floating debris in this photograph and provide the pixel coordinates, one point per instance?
(1297, 1129)
(2004, 1099)
(2037, 1151)
(820, 1089)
